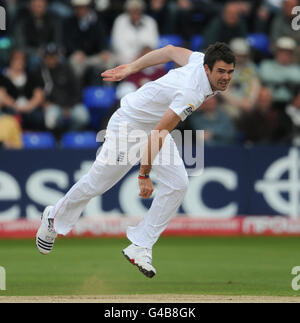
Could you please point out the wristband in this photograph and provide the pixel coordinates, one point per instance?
(143, 176)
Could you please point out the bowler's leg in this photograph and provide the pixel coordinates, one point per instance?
(62, 217)
(98, 180)
(172, 185)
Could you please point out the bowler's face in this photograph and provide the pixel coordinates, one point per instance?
(220, 76)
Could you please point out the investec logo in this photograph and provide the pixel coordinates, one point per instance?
(274, 185)
(2, 18)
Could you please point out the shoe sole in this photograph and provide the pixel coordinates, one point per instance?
(147, 273)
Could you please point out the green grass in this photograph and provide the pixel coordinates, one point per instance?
(196, 265)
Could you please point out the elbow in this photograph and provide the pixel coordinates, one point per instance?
(169, 47)
(169, 50)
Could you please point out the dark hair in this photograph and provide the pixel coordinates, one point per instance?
(218, 52)
(15, 51)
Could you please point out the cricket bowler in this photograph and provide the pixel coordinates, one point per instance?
(143, 124)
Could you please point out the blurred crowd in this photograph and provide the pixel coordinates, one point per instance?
(52, 50)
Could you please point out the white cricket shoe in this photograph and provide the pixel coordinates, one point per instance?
(140, 257)
(46, 235)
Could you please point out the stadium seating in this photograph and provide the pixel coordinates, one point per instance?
(173, 39)
(99, 100)
(196, 43)
(100, 97)
(259, 42)
(79, 139)
(38, 140)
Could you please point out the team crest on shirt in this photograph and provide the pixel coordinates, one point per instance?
(189, 109)
(120, 156)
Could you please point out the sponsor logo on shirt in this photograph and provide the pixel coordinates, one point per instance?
(189, 110)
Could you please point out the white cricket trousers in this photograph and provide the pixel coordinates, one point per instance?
(112, 164)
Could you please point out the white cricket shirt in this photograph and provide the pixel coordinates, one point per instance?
(182, 89)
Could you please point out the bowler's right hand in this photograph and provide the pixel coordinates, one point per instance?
(116, 74)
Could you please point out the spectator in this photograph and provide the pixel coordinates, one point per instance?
(35, 29)
(282, 23)
(260, 17)
(263, 124)
(227, 26)
(109, 10)
(218, 127)
(22, 93)
(15, 10)
(148, 74)
(132, 31)
(273, 5)
(136, 80)
(185, 10)
(281, 74)
(85, 42)
(244, 88)
(184, 23)
(193, 15)
(164, 15)
(61, 8)
(10, 132)
(293, 112)
(63, 108)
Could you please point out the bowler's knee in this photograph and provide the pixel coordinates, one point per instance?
(182, 184)
(185, 183)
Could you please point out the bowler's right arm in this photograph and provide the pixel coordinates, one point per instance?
(178, 55)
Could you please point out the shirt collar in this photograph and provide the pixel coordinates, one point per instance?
(139, 24)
